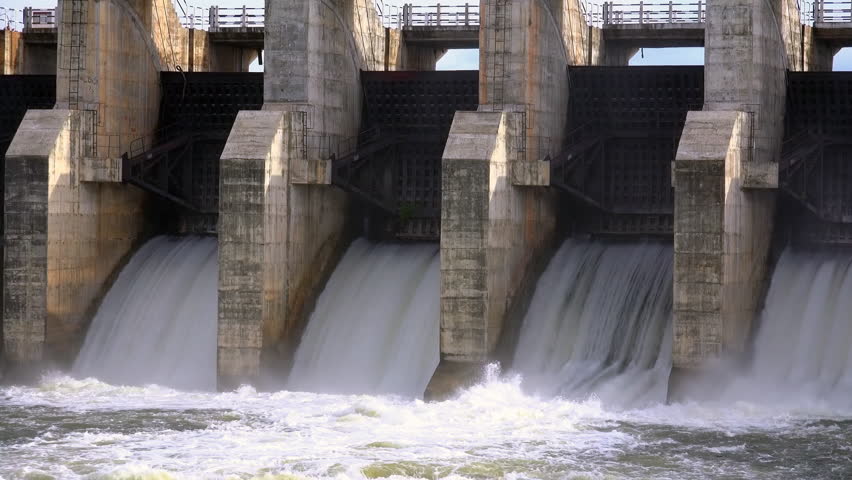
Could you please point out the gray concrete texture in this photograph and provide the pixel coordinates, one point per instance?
(69, 224)
(298, 222)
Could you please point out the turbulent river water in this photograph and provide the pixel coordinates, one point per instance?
(66, 428)
(786, 415)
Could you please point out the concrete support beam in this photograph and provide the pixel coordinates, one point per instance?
(723, 232)
(10, 52)
(63, 237)
(278, 240)
(726, 173)
(63, 169)
(492, 232)
(316, 50)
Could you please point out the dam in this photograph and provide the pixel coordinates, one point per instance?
(556, 264)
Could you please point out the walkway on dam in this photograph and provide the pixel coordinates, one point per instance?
(649, 23)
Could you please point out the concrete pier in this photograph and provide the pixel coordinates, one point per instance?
(726, 176)
(69, 223)
(497, 217)
(281, 232)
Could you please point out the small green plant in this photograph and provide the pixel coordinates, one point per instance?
(406, 211)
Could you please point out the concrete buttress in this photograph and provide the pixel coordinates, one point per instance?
(726, 175)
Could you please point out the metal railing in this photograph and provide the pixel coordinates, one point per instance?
(651, 12)
(828, 11)
(438, 15)
(220, 18)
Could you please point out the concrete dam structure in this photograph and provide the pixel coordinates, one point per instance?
(382, 227)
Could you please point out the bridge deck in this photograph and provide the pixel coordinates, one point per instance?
(656, 35)
(454, 36)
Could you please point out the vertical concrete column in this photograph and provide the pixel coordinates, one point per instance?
(496, 221)
(108, 63)
(252, 227)
(525, 48)
(315, 51)
(494, 227)
(725, 175)
(10, 52)
(43, 143)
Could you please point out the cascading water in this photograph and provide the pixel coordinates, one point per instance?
(600, 323)
(802, 354)
(376, 323)
(157, 324)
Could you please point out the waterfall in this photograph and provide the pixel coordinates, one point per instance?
(157, 324)
(802, 353)
(375, 326)
(600, 323)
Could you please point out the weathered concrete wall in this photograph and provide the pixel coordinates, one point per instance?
(722, 238)
(63, 237)
(106, 99)
(315, 52)
(725, 175)
(278, 236)
(10, 52)
(496, 225)
(20, 57)
(252, 192)
(817, 55)
(491, 231)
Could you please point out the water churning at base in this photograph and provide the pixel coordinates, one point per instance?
(802, 354)
(376, 323)
(600, 323)
(157, 324)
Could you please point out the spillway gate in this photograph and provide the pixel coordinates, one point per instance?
(394, 166)
(624, 125)
(180, 162)
(815, 169)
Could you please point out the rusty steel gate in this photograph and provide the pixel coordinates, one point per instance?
(816, 161)
(396, 166)
(624, 125)
(180, 163)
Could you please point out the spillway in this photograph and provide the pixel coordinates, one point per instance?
(802, 353)
(376, 324)
(599, 323)
(157, 324)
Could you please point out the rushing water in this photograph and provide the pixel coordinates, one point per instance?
(67, 428)
(375, 326)
(802, 354)
(599, 323)
(83, 428)
(157, 324)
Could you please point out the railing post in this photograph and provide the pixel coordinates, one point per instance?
(438, 18)
(641, 12)
(28, 18)
(466, 15)
(243, 23)
(671, 20)
(605, 13)
(213, 18)
(700, 12)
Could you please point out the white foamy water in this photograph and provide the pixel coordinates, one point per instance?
(85, 429)
(600, 323)
(157, 323)
(802, 353)
(376, 323)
